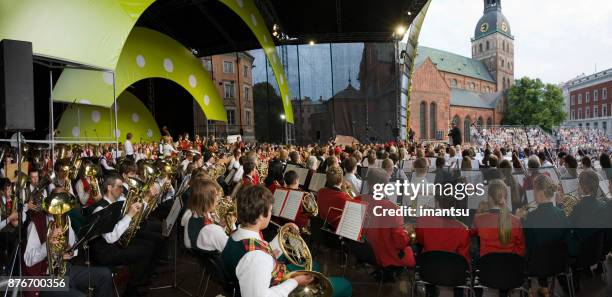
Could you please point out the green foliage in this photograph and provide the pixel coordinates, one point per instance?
(531, 102)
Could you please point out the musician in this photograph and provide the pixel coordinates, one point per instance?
(249, 177)
(6, 204)
(274, 180)
(499, 231)
(62, 178)
(83, 189)
(533, 164)
(569, 167)
(35, 259)
(387, 236)
(515, 189)
(454, 135)
(292, 181)
(589, 215)
(234, 162)
(350, 176)
(188, 159)
(168, 148)
(137, 254)
(252, 260)
(546, 223)
(331, 198)
(443, 233)
(201, 230)
(33, 189)
(128, 148)
(106, 162)
(295, 159)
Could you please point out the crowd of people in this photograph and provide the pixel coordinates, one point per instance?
(588, 140)
(138, 184)
(521, 137)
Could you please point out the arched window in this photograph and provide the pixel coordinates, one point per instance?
(479, 122)
(472, 86)
(488, 46)
(489, 122)
(423, 120)
(456, 120)
(453, 82)
(480, 47)
(467, 122)
(433, 117)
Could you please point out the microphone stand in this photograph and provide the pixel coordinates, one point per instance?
(17, 250)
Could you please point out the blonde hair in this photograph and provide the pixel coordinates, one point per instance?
(543, 183)
(498, 193)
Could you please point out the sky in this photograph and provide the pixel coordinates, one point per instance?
(554, 40)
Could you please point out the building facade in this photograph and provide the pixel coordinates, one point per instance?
(232, 74)
(588, 101)
(450, 88)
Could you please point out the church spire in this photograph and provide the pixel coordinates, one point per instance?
(492, 5)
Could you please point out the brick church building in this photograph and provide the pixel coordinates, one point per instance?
(450, 88)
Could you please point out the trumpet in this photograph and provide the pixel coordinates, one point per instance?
(91, 174)
(294, 248)
(58, 205)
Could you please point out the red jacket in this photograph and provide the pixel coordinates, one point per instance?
(331, 197)
(443, 234)
(388, 238)
(486, 227)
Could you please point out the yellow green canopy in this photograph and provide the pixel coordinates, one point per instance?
(146, 54)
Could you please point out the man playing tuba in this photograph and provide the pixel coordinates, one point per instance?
(50, 237)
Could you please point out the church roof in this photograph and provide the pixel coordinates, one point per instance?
(461, 97)
(492, 21)
(348, 93)
(453, 63)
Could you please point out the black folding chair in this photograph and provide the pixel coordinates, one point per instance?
(214, 269)
(440, 268)
(364, 254)
(501, 271)
(549, 261)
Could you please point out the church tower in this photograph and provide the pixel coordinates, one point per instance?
(493, 44)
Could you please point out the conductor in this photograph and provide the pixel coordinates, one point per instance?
(454, 136)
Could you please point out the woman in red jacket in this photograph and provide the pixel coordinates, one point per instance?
(498, 229)
(386, 234)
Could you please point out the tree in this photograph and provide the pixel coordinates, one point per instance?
(531, 102)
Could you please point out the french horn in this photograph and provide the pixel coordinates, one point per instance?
(309, 204)
(296, 251)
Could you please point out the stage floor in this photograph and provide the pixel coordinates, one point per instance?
(364, 285)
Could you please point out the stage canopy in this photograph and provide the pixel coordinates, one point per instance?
(88, 122)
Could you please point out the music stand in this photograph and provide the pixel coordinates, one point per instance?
(97, 224)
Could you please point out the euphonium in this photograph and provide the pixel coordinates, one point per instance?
(135, 194)
(58, 205)
(296, 251)
(226, 214)
(91, 174)
(569, 202)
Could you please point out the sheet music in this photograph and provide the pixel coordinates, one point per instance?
(604, 186)
(292, 205)
(172, 216)
(569, 185)
(432, 163)
(280, 196)
(317, 181)
(351, 221)
(230, 176)
(475, 164)
(520, 178)
(289, 167)
(408, 164)
(530, 197)
(552, 173)
(377, 163)
(302, 174)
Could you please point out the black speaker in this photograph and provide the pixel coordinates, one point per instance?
(16, 86)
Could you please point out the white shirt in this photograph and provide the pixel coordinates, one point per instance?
(80, 188)
(238, 175)
(120, 227)
(105, 165)
(234, 163)
(128, 148)
(35, 251)
(355, 182)
(254, 271)
(168, 149)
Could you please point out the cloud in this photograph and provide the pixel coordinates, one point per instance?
(555, 40)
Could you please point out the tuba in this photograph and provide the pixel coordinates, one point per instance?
(58, 205)
(296, 251)
(135, 194)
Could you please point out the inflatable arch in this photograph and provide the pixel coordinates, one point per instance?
(147, 54)
(89, 122)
